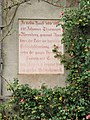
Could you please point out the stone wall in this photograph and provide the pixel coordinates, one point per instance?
(37, 10)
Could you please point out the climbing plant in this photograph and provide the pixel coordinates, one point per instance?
(73, 101)
(76, 39)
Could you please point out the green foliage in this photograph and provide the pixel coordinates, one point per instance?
(73, 101)
(45, 103)
(76, 39)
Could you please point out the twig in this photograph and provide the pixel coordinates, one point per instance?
(12, 19)
(6, 35)
(7, 82)
(10, 23)
(60, 6)
(47, 111)
(53, 4)
(16, 4)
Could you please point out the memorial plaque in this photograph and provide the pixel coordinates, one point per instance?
(36, 41)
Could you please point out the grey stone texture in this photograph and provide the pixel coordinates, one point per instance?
(37, 10)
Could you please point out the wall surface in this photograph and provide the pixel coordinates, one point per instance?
(38, 10)
(0, 39)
